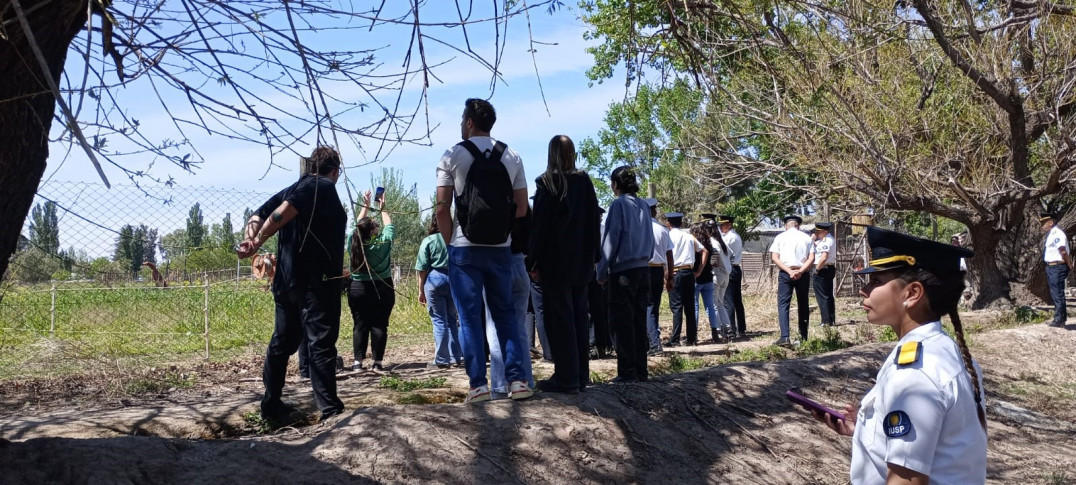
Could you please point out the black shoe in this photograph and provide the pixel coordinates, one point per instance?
(714, 335)
(691, 343)
(1055, 324)
(654, 350)
(328, 413)
(671, 343)
(603, 353)
(547, 385)
(282, 415)
(783, 342)
(304, 375)
(339, 363)
(623, 380)
(377, 368)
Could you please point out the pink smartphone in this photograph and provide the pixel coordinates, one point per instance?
(811, 405)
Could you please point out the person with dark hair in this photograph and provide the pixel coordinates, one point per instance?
(719, 259)
(564, 247)
(682, 294)
(372, 294)
(431, 266)
(484, 267)
(734, 293)
(704, 282)
(924, 419)
(661, 270)
(825, 262)
(305, 289)
(791, 253)
(627, 245)
(1058, 264)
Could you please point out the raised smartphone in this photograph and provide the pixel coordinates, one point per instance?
(812, 405)
(378, 193)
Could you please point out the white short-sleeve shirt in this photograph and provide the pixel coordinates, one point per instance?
(662, 243)
(921, 416)
(735, 244)
(1055, 240)
(828, 246)
(684, 247)
(452, 172)
(793, 247)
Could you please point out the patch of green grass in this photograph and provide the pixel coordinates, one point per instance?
(597, 377)
(675, 363)
(1059, 477)
(413, 398)
(887, 335)
(828, 342)
(764, 354)
(408, 385)
(256, 422)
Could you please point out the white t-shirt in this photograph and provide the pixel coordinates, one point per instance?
(921, 416)
(684, 247)
(662, 243)
(452, 172)
(792, 246)
(1055, 240)
(735, 244)
(828, 246)
(726, 265)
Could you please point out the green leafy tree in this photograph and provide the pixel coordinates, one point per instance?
(45, 228)
(196, 229)
(131, 247)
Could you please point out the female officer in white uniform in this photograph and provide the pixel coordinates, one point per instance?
(923, 422)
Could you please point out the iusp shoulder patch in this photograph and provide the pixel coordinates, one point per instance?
(897, 424)
(909, 353)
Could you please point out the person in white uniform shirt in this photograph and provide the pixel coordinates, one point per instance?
(682, 294)
(924, 420)
(825, 264)
(793, 252)
(1058, 265)
(661, 271)
(734, 293)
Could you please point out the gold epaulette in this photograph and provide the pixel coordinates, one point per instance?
(909, 353)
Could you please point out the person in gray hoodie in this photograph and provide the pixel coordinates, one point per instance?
(627, 244)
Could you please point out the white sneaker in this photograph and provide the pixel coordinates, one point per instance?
(519, 390)
(478, 394)
(357, 365)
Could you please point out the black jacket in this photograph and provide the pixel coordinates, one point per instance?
(565, 239)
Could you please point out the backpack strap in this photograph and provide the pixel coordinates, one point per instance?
(471, 147)
(498, 150)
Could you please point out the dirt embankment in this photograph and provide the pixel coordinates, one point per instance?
(727, 424)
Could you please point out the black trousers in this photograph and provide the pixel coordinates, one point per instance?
(627, 309)
(653, 322)
(785, 286)
(598, 297)
(1055, 279)
(734, 300)
(682, 301)
(371, 305)
(823, 293)
(313, 314)
(567, 326)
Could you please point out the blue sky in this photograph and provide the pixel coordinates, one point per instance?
(574, 109)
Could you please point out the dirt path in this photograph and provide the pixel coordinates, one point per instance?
(717, 425)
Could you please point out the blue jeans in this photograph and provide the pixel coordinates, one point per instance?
(537, 301)
(521, 292)
(472, 271)
(1055, 278)
(706, 291)
(446, 325)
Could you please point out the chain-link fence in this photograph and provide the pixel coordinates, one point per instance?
(122, 277)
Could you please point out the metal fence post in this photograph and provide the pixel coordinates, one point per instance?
(205, 308)
(237, 266)
(52, 312)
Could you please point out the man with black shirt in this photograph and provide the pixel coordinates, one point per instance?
(310, 253)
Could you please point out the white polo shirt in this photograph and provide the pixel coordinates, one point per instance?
(684, 247)
(662, 243)
(828, 246)
(735, 244)
(452, 172)
(1055, 240)
(921, 416)
(793, 247)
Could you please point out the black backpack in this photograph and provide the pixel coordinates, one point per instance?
(486, 209)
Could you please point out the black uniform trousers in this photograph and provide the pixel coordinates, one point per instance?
(653, 322)
(682, 301)
(371, 305)
(312, 313)
(823, 293)
(568, 330)
(1056, 274)
(785, 286)
(598, 297)
(734, 300)
(627, 309)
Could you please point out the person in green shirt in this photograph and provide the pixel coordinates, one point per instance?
(432, 266)
(371, 295)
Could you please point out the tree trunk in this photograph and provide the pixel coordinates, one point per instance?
(27, 105)
(990, 288)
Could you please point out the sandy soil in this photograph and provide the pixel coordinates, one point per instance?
(723, 424)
